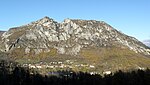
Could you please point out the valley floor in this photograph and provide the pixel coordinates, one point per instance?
(12, 74)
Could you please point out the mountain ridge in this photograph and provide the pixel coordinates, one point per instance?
(78, 25)
(79, 41)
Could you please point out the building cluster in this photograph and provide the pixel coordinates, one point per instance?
(62, 65)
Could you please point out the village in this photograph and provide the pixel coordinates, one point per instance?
(58, 66)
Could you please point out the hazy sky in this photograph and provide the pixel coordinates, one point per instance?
(131, 17)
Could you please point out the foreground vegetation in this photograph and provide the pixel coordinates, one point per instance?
(12, 74)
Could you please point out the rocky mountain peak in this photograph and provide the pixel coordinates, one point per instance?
(67, 20)
(92, 42)
(71, 36)
(45, 20)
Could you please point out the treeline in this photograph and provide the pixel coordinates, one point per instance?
(12, 74)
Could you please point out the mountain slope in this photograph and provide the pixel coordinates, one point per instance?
(83, 41)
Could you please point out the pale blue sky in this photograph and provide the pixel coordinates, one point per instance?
(132, 17)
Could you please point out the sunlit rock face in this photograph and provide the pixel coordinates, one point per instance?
(68, 37)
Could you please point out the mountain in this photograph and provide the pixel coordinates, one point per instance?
(147, 42)
(1, 32)
(86, 45)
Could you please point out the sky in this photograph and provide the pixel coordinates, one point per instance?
(131, 17)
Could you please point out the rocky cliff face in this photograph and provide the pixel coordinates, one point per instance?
(87, 41)
(68, 37)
